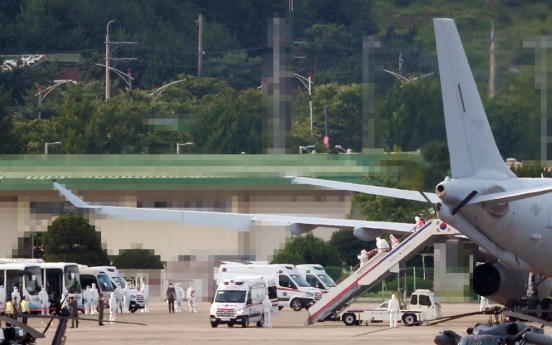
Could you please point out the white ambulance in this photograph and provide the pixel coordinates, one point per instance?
(317, 277)
(293, 290)
(239, 301)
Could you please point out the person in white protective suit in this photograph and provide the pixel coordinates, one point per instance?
(119, 296)
(43, 300)
(112, 308)
(363, 257)
(191, 296)
(393, 310)
(126, 299)
(267, 312)
(484, 304)
(394, 241)
(86, 300)
(382, 244)
(145, 291)
(2, 297)
(180, 295)
(15, 294)
(94, 299)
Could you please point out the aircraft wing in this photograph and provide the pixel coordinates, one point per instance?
(354, 187)
(512, 195)
(235, 221)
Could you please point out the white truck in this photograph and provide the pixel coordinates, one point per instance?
(317, 277)
(136, 297)
(239, 301)
(292, 289)
(423, 307)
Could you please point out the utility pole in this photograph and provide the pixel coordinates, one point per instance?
(107, 57)
(200, 45)
(492, 62)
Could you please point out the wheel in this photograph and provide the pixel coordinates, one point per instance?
(538, 311)
(245, 322)
(132, 307)
(349, 319)
(546, 303)
(280, 307)
(296, 304)
(214, 324)
(230, 325)
(261, 323)
(409, 319)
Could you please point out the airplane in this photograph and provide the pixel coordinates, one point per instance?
(509, 218)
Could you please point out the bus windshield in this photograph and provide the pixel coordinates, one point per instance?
(105, 283)
(72, 279)
(33, 280)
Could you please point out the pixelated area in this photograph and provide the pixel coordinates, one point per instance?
(372, 99)
(537, 83)
(453, 271)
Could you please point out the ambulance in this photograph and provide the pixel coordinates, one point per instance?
(239, 301)
(317, 277)
(292, 289)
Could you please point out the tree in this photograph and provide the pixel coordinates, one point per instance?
(308, 249)
(349, 246)
(138, 259)
(10, 142)
(71, 238)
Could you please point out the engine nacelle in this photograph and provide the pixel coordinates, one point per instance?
(498, 283)
(365, 234)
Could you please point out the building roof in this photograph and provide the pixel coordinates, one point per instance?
(187, 172)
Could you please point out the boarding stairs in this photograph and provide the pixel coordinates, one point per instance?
(379, 266)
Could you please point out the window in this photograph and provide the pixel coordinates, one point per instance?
(312, 281)
(249, 301)
(414, 300)
(87, 280)
(424, 300)
(284, 281)
(272, 292)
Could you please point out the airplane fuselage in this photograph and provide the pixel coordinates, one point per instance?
(521, 227)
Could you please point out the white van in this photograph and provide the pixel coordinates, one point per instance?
(317, 277)
(98, 276)
(293, 290)
(239, 301)
(136, 297)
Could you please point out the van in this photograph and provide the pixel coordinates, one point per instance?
(136, 297)
(239, 301)
(317, 277)
(98, 276)
(292, 289)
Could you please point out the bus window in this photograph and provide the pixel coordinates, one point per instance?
(2, 282)
(33, 280)
(72, 279)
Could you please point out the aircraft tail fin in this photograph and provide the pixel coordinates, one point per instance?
(472, 148)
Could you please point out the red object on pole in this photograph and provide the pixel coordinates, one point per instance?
(129, 70)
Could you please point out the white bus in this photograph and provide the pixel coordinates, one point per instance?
(61, 278)
(26, 276)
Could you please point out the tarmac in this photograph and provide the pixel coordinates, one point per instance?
(288, 327)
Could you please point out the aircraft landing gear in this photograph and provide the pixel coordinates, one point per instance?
(531, 304)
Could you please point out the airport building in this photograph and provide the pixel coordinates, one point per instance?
(224, 183)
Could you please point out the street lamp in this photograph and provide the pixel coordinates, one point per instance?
(339, 147)
(48, 144)
(157, 92)
(304, 81)
(123, 76)
(43, 93)
(305, 148)
(178, 146)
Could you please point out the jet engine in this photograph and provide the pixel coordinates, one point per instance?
(499, 283)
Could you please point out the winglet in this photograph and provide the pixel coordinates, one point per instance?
(73, 199)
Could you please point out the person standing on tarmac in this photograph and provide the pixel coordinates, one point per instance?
(25, 311)
(101, 311)
(267, 312)
(393, 310)
(170, 297)
(74, 312)
(10, 310)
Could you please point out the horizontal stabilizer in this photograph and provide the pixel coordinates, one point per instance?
(375, 190)
(234, 221)
(513, 195)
